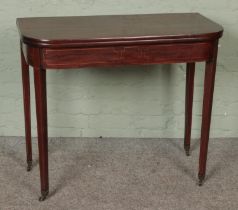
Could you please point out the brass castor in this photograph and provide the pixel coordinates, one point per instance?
(29, 165)
(43, 196)
(187, 150)
(201, 179)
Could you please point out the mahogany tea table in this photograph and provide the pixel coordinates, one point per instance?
(73, 42)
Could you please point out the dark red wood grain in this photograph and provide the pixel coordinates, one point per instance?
(71, 42)
(83, 31)
(119, 55)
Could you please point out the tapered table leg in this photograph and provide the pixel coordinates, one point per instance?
(209, 81)
(188, 105)
(27, 109)
(41, 113)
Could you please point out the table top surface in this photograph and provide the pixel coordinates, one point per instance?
(109, 29)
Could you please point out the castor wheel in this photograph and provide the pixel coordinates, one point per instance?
(43, 196)
(29, 165)
(187, 150)
(201, 180)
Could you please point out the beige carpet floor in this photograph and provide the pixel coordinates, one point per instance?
(120, 174)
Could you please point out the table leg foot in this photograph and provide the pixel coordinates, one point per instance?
(187, 150)
(201, 179)
(43, 196)
(29, 165)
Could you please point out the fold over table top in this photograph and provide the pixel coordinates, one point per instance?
(84, 31)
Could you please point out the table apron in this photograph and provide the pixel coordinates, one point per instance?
(123, 55)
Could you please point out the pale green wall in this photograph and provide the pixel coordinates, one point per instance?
(126, 101)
